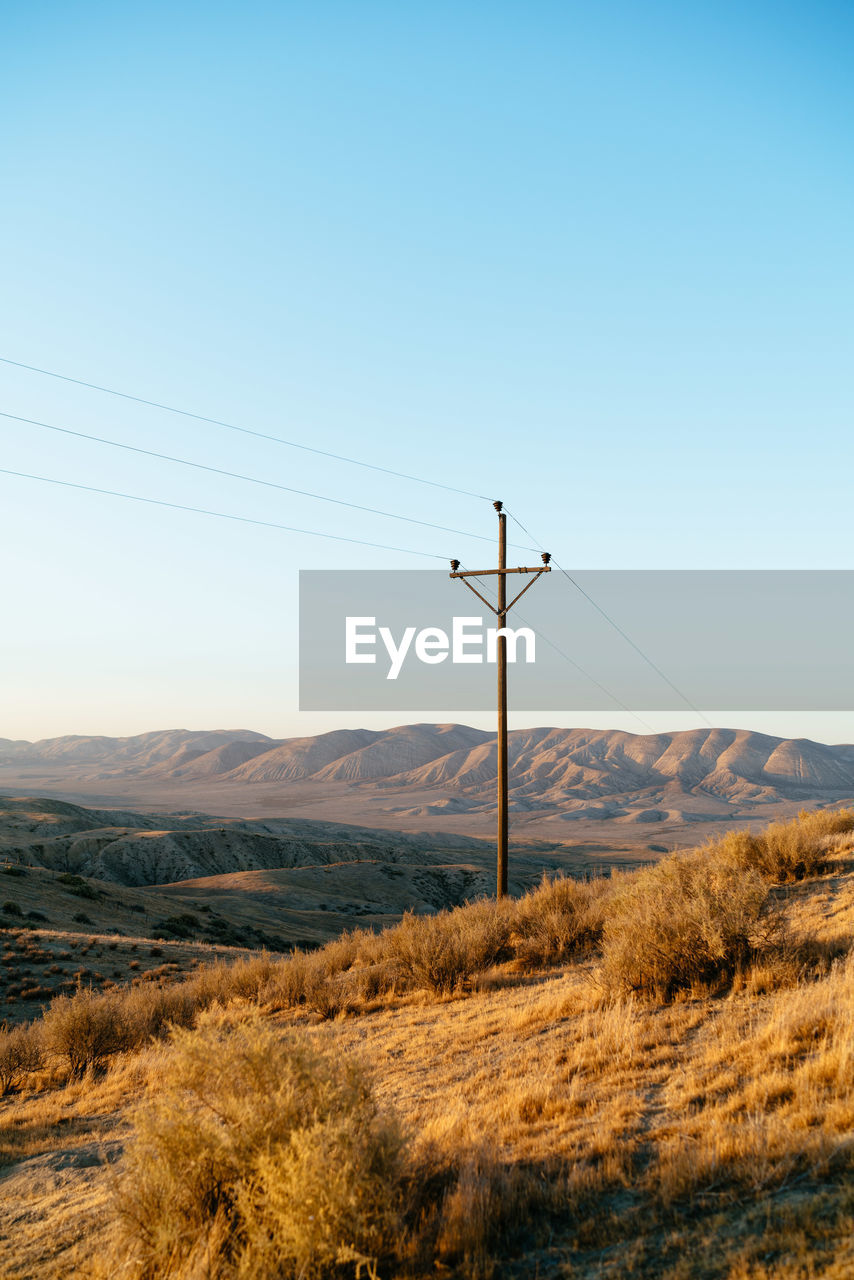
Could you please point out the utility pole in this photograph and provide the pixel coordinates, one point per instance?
(501, 655)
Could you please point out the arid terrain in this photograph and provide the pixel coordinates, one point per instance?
(643, 1075)
(639, 1067)
(177, 885)
(576, 785)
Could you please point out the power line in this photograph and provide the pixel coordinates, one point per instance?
(577, 665)
(314, 533)
(293, 444)
(221, 515)
(248, 431)
(601, 687)
(629, 641)
(234, 475)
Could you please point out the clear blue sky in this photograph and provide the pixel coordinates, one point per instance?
(594, 259)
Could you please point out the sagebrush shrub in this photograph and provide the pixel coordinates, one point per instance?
(692, 918)
(260, 1154)
(323, 992)
(147, 1011)
(441, 953)
(83, 1030)
(558, 919)
(306, 978)
(787, 851)
(20, 1052)
(330, 1195)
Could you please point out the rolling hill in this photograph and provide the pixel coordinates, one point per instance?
(443, 775)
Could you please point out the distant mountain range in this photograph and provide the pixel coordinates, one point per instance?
(425, 770)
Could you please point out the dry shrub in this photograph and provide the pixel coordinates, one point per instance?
(83, 1030)
(442, 953)
(367, 982)
(693, 918)
(342, 952)
(148, 1011)
(245, 979)
(286, 986)
(788, 851)
(20, 1052)
(558, 919)
(332, 1196)
(301, 977)
(371, 973)
(257, 1156)
(307, 978)
(325, 993)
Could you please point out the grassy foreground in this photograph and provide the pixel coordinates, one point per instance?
(651, 1075)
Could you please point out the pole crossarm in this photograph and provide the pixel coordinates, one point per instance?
(501, 612)
(486, 573)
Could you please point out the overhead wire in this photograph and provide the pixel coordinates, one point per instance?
(577, 665)
(231, 426)
(613, 623)
(221, 515)
(294, 444)
(235, 475)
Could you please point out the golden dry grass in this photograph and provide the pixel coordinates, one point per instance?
(557, 1130)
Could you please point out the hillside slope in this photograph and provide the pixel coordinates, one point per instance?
(568, 1134)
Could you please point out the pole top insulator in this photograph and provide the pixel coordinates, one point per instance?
(498, 506)
(546, 557)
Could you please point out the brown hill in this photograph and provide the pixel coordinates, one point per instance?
(444, 775)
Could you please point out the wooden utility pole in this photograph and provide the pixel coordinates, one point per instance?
(501, 656)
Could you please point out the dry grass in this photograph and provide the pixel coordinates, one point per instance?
(696, 918)
(639, 1117)
(618, 1127)
(548, 1120)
